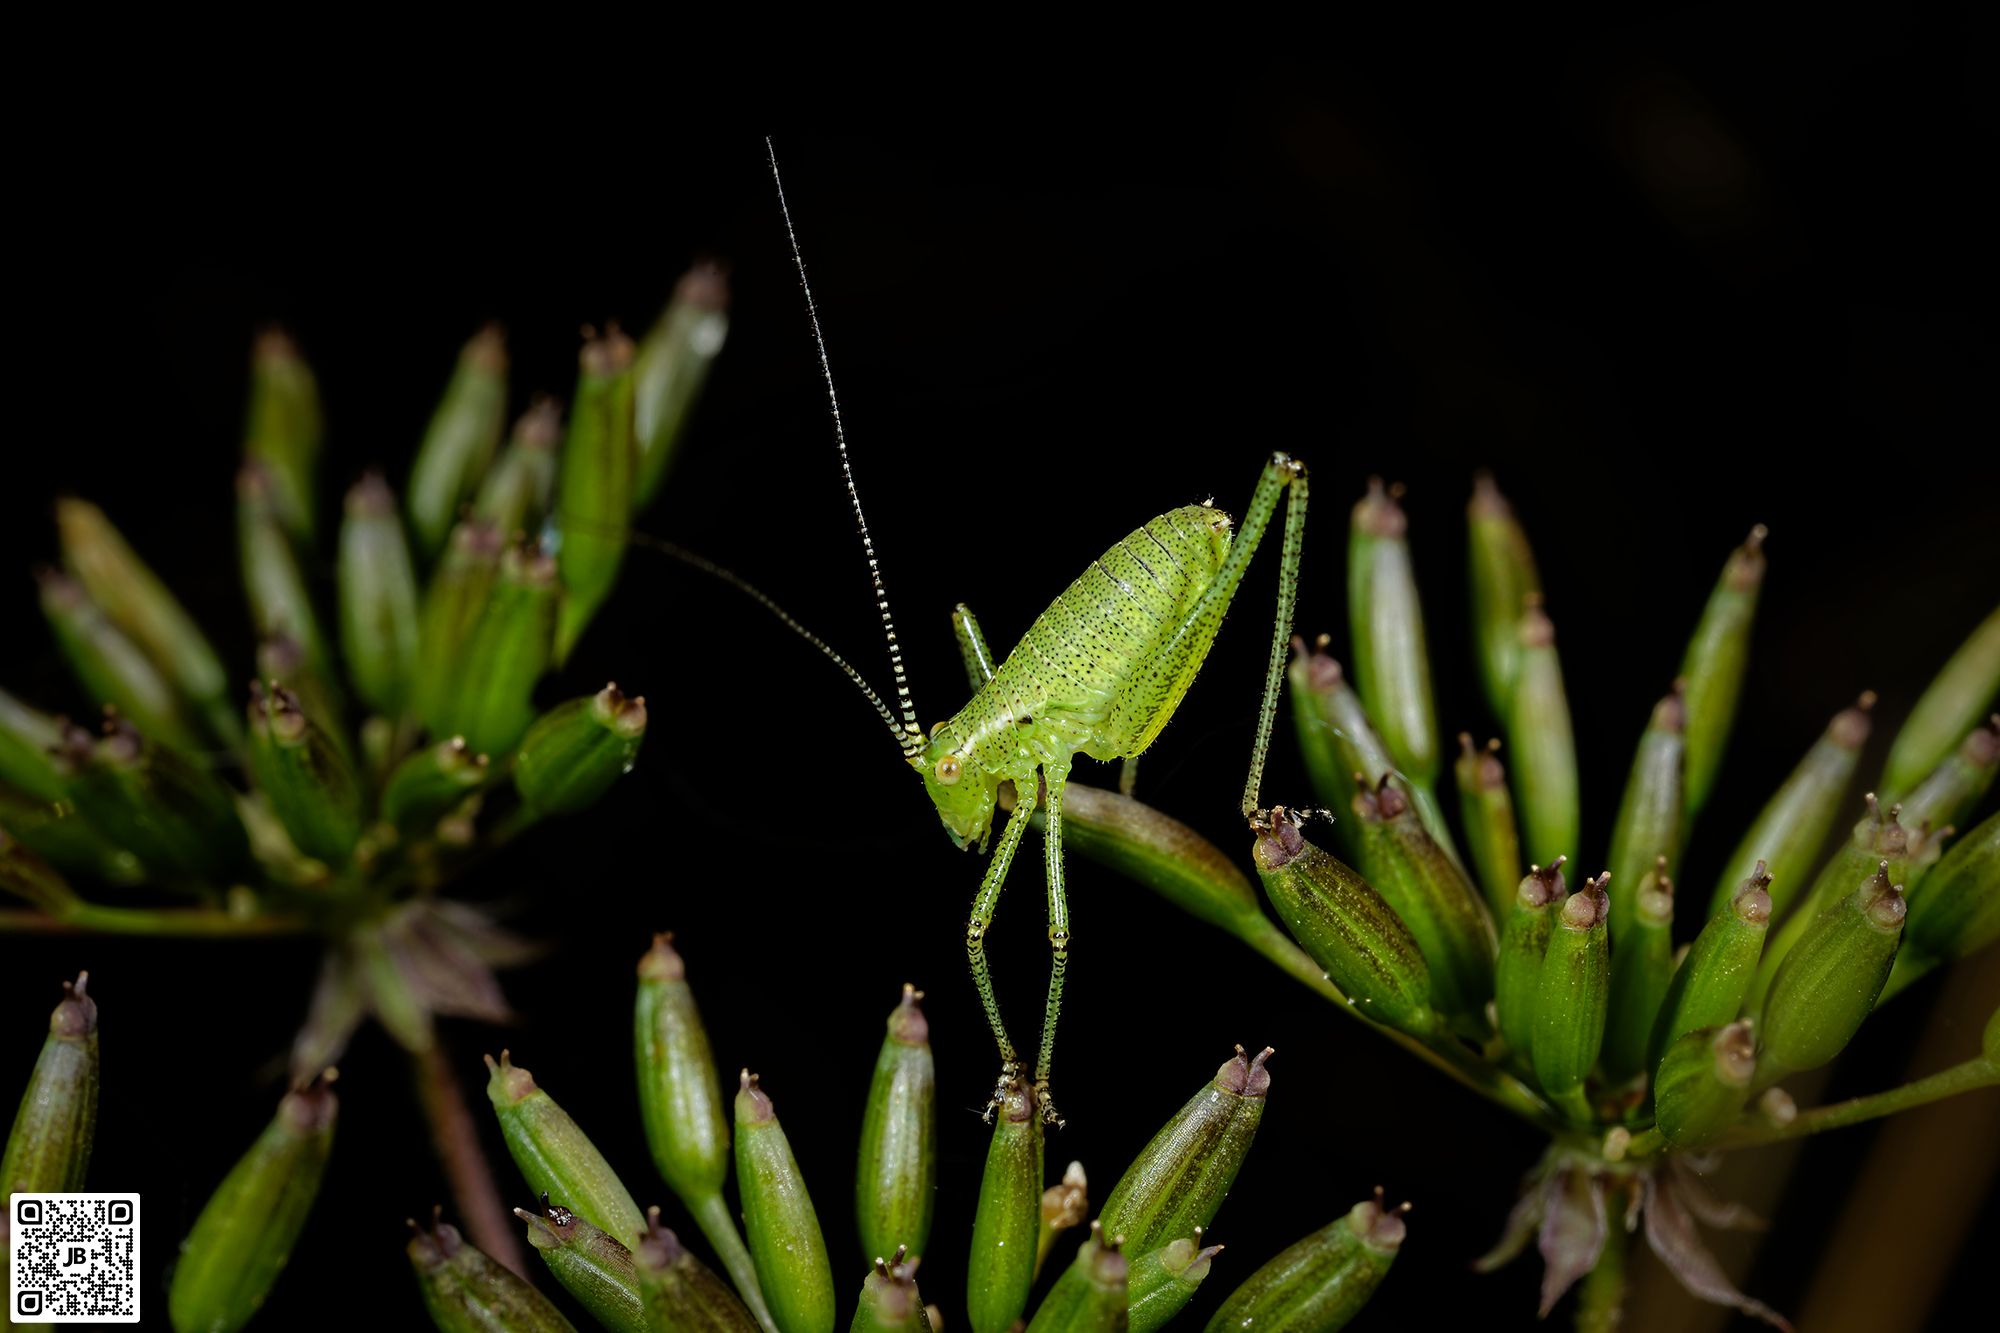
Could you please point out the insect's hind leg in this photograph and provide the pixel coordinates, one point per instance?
(983, 907)
(1290, 474)
(1056, 779)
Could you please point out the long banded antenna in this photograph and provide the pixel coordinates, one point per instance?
(757, 595)
(910, 736)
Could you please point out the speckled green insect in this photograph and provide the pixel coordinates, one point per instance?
(1098, 673)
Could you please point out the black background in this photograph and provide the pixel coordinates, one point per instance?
(1668, 281)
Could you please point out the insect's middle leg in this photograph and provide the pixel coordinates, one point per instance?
(1056, 779)
(983, 907)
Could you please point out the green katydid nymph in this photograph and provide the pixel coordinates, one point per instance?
(1099, 673)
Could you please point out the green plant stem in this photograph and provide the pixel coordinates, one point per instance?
(455, 1140)
(1600, 1302)
(1968, 1077)
(1494, 1084)
(92, 918)
(712, 1216)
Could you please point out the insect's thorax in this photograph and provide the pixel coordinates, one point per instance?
(1100, 671)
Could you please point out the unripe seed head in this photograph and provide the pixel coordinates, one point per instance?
(1752, 904)
(1882, 901)
(753, 1104)
(1378, 1225)
(75, 1016)
(1587, 906)
(1735, 1049)
(1543, 885)
(662, 962)
(1245, 1076)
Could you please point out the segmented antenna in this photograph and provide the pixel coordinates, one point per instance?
(755, 594)
(910, 736)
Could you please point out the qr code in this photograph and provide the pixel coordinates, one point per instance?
(74, 1258)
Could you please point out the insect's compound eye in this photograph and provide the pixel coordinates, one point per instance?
(948, 769)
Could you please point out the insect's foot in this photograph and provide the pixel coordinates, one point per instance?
(1009, 1080)
(1050, 1116)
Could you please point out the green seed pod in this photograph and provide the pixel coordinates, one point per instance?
(1708, 989)
(680, 1294)
(1517, 975)
(458, 592)
(1435, 900)
(1827, 984)
(284, 660)
(1793, 825)
(138, 603)
(1346, 926)
(554, 1155)
(378, 597)
(515, 496)
(280, 605)
(1161, 1282)
(1543, 746)
(1092, 1295)
(1957, 698)
(1704, 1080)
(1322, 1282)
(28, 740)
(246, 1230)
(26, 876)
(463, 435)
(1713, 667)
(176, 817)
(679, 1098)
(1336, 737)
(1488, 813)
(1003, 1262)
(283, 430)
(1178, 1181)
(1576, 984)
(1878, 837)
(595, 496)
(895, 1183)
(591, 1265)
(1955, 910)
(1648, 831)
(59, 834)
(1503, 578)
(1065, 1204)
(680, 1103)
(890, 1302)
(778, 1218)
(1951, 793)
(1642, 963)
(466, 1292)
(576, 750)
(672, 366)
(506, 654)
(1391, 663)
(302, 772)
(48, 1149)
(110, 667)
(430, 784)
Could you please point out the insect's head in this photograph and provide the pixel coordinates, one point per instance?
(963, 793)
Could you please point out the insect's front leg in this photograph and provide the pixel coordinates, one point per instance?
(983, 908)
(1055, 779)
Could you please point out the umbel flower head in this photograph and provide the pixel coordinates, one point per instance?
(1485, 947)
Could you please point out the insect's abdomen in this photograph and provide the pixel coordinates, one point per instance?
(1106, 654)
